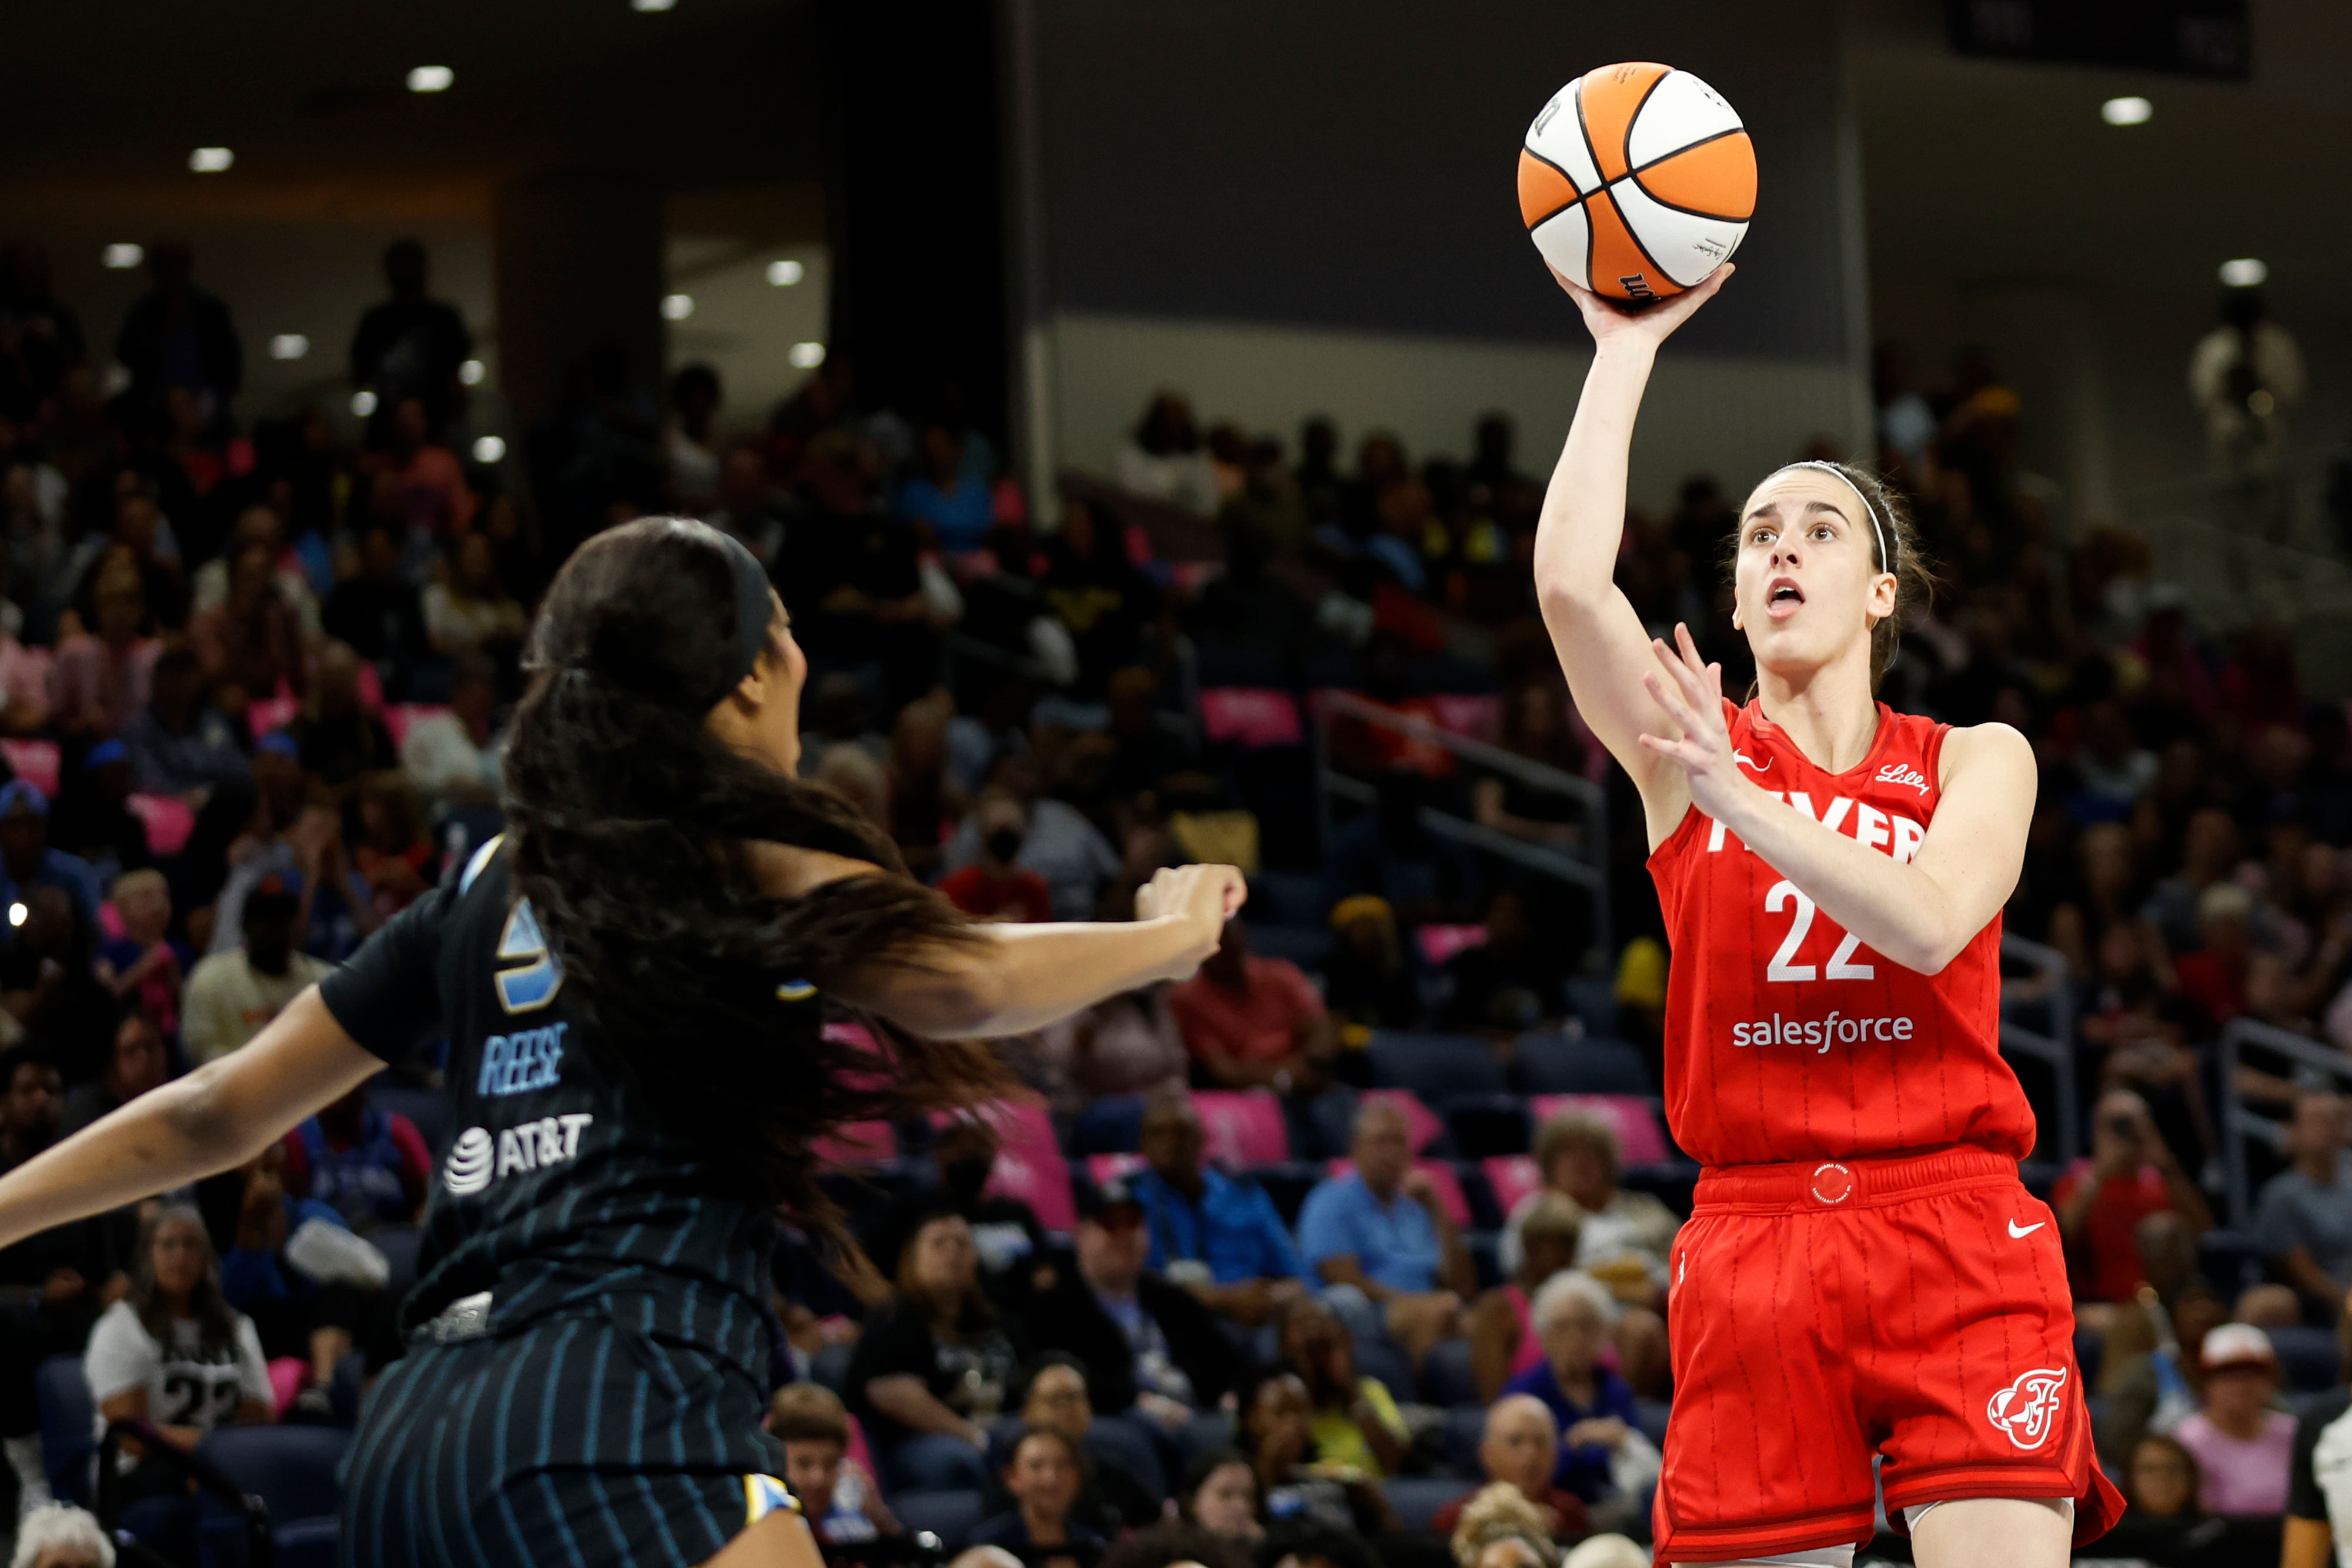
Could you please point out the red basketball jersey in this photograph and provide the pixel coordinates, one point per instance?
(1787, 1039)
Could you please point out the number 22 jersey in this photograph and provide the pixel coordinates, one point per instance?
(1786, 1037)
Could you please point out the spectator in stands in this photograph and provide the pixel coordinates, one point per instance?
(931, 1368)
(2131, 1173)
(136, 1064)
(1046, 1471)
(1624, 1237)
(1148, 1346)
(1355, 1425)
(26, 860)
(1255, 1023)
(2304, 1221)
(1144, 755)
(2161, 1485)
(340, 738)
(179, 743)
(59, 1535)
(1061, 845)
(2315, 1485)
(1124, 1484)
(2209, 854)
(1499, 1528)
(1510, 982)
(690, 459)
(454, 757)
(26, 674)
(1096, 594)
(394, 855)
(1164, 459)
(1520, 1447)
(1365, 981)
(1282, 1429)
(2213, 975)
(336, 907)
(1604, 1457)
(1379, 1239)
(418, 487)
(312, 1288)
(101, 673)
(1220, 1495)
(378, 611)
(1503, 1338)
(923, 795)
(472, 613)
(838, 1499)
(997, 886)
(411, 345)
(208, 589)
(93, 820)
(2242, 1447)
(1218, 1237)
(1126, 1045)
(233, 995)
(372, 1167)
(1011, 1244)
(251, 647)
(49, 984)
(178, 335)
(174, 1353)
(943, 492)
(744, 508)
(32, 1096)
(1534, 726)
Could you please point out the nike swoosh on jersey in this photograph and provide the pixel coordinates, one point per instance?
(2019, 1233)
(1743, 756)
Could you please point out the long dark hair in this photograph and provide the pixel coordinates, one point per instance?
(629, 820)
(216, 1319)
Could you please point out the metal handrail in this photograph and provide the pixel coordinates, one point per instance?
(2056, 1049)
(261, 1546)
(2238, 1122)
(1589, 872)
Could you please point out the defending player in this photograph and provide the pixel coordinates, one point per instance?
(633, 987)
(1863, 1272)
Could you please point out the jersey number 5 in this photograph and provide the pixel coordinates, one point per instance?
(1841, 966)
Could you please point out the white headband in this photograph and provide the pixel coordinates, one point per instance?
(1886, 556)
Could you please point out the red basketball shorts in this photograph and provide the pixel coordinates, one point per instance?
(1821, 1314)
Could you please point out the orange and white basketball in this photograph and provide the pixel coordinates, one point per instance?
(1637, 181)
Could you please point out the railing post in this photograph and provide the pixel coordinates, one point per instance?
(2233, 1137)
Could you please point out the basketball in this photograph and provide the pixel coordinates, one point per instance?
(1637, 180)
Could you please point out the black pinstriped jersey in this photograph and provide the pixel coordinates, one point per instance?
(561, 1188)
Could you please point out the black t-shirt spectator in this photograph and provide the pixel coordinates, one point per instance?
(2322, 1460)
(383, 623)
(899, 1342)
(339, 748)
(1068, 1318)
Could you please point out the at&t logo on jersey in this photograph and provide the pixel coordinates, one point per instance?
(2028, 1408)
(477, 1159)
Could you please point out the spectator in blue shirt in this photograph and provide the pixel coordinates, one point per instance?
(1381, 1239)
(1219, 1238)
(1604, 1458)
(944, 494)
(26, 861)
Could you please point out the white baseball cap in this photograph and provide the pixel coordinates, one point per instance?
(2237, 1344)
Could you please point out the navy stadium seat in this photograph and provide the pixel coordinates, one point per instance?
(1486, 1125)
(1465, 1429)
(69, 1426)
(1287, 1185)
(428, 1108)
(1486, 1210)
(399, 1245)
(830, 1366)
(1594, 1003)
(949, 1515)
(1446, 1379)
(1483, 1257)
(1112, 1124)
(1671, 1183)
(292, 1470)
(2232, 1261)
(1552, 1063)
(2309, 1358)
(1386, 1365)
(1309, 946)
(1286, 898)
(1417, 1498)
(2090, 1350)
(1434, 1066)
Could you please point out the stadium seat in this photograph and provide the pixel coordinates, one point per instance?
(1309, 946)
(2309, 1358)
(427, 1108)
(2232, 1261)
(292, 1470)
(1100, 1168)
(1112, 1124)
(1485, 1256)
(1485, 1214)
(69, 1426)
(1287, 1185)
(1465, 1429)
(1553, 1063)
(1594, 1004)
(1417, 1498)
(1446, 1379)
(1510, 1177)
(1671, 1184)
(1383, 1362)
(949, 1515)
(399, 1245)
(1640, 1140)
(1242, 1128)
(2090, 1350)
(1435, 1065)
(1029, 1164)
(1286, 898)
(830, 1366)
(1486, 1126)
(1421, 1123)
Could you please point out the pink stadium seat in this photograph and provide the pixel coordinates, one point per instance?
(1636, 1125)
(266, 713)
(1029, 1164)
(1242, 1128)
(400, 716)
(1421, 1123)
(1250, 715)
(1512, 1176)
(168, 819)
(36, 762)
(1102, 1169)
(1449, 1186)
(860, 1143)
(1439, 943)
(1479, 717)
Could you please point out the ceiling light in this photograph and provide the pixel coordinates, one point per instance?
(211, 159)
(17, 914)
(2126, 110)
(784, 274)
(119, 257)
(806, 356)
(651, 5)
(363, 403)
(2245, 272)
(677, 307)
(431, 79)
(489, 448)
(289, 346)
(471, 372)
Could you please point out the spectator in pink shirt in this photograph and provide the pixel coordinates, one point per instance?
(419, 483)
(100, 678)
(2242, 1447)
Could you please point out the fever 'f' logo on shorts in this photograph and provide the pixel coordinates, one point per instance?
(2028, 1408)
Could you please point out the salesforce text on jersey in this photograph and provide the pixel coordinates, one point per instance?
(1820, 1033)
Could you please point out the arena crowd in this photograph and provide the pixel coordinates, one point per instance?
(1356, 1243)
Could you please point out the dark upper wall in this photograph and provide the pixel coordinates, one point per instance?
(1349, 163)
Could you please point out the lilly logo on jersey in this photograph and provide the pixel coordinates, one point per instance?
(526, 1060)
(2028, 1408)
(1903, 773)
(477, 1159)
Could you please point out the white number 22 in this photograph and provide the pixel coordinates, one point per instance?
(1841, 964)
